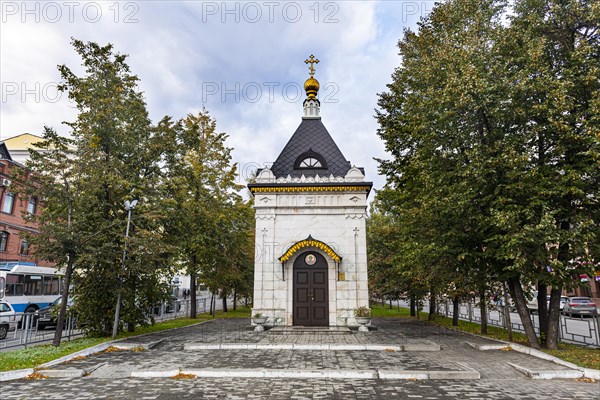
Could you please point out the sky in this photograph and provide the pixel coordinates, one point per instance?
(242, 61)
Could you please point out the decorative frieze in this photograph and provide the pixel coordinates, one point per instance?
(353, 175)
(284, 189)
(356, 216)
(264, 217)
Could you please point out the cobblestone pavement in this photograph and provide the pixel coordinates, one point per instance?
(275, 389)
(108, 373)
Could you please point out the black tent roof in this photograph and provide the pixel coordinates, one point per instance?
(311, 139)
(4, 154)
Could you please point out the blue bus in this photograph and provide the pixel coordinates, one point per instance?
(28, 287)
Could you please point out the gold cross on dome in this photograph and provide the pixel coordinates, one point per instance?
(311, 60)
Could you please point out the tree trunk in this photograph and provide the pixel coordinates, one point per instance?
(212, 305)
(553, 319)
(432, 305)
(542, 311)
(62, 314)
(224, 302)
(131, 324)
(483, 311)
(412, 306)
(391, 306)
(193, 310)
(234, 298)
(516, 291)
(507, 321)
(455, 310)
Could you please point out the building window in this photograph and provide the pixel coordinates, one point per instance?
(310, 162)
(51, 285)
(9, 201)
(24, 248)
(32, 205)
(14, 285)
(33, 285)
(3, 240)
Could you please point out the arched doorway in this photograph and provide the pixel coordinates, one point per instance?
(311, 290)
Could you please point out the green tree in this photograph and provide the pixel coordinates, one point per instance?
(384, 284)
(490, 123)
(438, 120)
(113, 155)
(553, 49)
(61, 227)
(200, 181)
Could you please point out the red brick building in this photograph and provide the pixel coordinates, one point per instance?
(13, 245)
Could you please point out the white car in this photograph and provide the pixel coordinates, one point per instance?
(563, 300)
(8, 319)
(533, 303)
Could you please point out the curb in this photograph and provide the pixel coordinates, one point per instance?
(315, 347)
(583, 372)
(311, 374)
(63, 373)
(85, 352)
(548, 374)
(15, 374)
(97, 349)
(428, 375)
(587, 372)
(260, 373)
(22, 373)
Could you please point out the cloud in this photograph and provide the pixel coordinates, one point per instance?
(243, 61)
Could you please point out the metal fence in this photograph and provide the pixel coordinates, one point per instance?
(28, 332)
(578, 330)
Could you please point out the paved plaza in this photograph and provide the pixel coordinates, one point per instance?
(223, 359)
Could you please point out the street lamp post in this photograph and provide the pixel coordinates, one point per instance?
(129, 206)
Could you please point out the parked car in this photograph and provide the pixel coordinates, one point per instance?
(47, 316)
(8, 319)
(172, 304)
(563, 300)
(499, 302)
(532, 304)
(580, 306)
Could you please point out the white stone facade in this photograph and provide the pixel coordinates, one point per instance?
(336, 217)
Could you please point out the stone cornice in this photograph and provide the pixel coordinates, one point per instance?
(310, 187)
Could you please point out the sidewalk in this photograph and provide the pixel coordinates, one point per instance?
(402, 359)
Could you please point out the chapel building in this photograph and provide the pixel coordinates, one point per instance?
(311, 209)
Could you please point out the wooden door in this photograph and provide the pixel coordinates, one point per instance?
(311, 290)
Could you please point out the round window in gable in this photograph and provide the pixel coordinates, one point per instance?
(310, 160)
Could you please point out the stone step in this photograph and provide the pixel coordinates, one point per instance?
(469, 374)
(265, 373)
(309, 330)
(420, 346)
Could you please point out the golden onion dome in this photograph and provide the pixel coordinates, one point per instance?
(311, 86)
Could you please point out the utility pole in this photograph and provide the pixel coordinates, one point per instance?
(129, 207)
